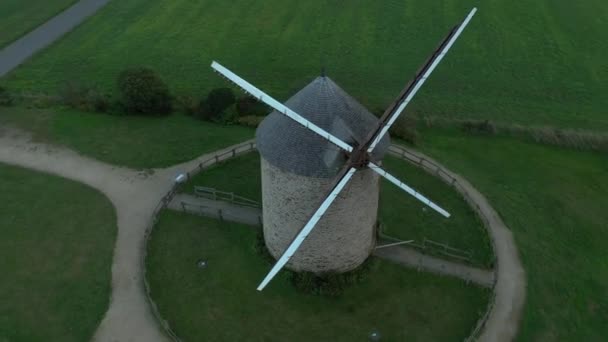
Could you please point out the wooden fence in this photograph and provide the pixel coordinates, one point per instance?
(162, 204)
(447, 177)
(230, 197)
(238, 150)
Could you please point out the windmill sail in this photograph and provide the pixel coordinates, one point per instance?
(421, 77)
(408, 189)
(279, 107)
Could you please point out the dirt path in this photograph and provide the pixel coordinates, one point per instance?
(134, 196)
(510, 289)
(410, 257)
(25, 47)
(403, 255)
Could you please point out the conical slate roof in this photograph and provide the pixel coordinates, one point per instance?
(293, 148)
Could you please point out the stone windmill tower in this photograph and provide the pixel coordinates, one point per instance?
(320, 165)
(297, 167)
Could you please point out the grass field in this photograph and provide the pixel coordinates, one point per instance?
(132, 141)
(220, 303)
(18, 17)
(529, 62)
(402, 215)
(555, 202)
(56, 244)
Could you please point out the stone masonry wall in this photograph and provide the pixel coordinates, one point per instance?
(343, 238)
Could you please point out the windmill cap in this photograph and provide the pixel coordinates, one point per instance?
(293, 148)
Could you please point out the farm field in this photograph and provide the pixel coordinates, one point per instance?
(463, 230)
(18, 17)
(221, 302)
(132, 141)
(527, 62)
(554, 200)
(55, 257)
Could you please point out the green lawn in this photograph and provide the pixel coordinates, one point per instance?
(18, 17)
(220, 303)
(555, 201)
(402, 216)
(531, 62)
(133, 141)
(56, 244)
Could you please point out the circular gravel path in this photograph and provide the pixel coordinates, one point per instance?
(135, 195)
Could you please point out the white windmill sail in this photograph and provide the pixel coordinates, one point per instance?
(408, 189)
(421, 81)
(279, 107)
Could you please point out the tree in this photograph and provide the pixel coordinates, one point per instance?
(144, 92)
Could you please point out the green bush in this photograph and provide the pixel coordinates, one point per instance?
(212, 108)
(329, 284)
(83, 97)
(483, 127)
(405, 129)
(144, 92)
(260, 248)
(5, 98)
(187, 104)
(97, 101)
(250, 106)
(250, 120)
(74, 94)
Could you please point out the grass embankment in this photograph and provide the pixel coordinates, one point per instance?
(56, 245)
(402, 216)
(18, 17)
(220, 303)
(528, 62)
(554, 200)
(133, 141)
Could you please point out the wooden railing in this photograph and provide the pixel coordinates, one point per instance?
(230, 197)
(447, 177)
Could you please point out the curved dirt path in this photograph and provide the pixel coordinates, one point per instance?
(510, 288)
(134, 196)
(25, 47)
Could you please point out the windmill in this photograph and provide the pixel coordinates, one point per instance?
(359, 154)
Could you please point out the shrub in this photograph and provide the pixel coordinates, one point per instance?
(250, 120)
(5, 98)
(74, 94)
(144, 92)
(329, 284)
(474, 126)
(97, 101)
(188, 104)
(82, 97)
(250, 106)
(260, 248)
(216, 103)
(405, 128)
(213, 107)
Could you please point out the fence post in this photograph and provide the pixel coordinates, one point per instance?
(219, 212)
